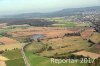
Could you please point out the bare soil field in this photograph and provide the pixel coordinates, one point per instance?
(88, 54)
(47, 31)
(8, 43)
(6, 40)
(87, 33)
(3, 58)
(2, 63)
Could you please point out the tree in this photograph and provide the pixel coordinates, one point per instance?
(50, 48)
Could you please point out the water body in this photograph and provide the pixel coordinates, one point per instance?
(38, 36)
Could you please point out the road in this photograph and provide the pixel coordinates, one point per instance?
(24, 56)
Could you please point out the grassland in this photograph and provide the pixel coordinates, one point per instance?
(95, 38)
(4, 31)
(65, 23)
(36, 60)
(65, 45)
(15, 58)
(13, 54)
(17, 62)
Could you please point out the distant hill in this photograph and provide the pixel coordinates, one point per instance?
(25, 17)
(64, 12)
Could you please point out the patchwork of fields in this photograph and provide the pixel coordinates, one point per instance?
(15, 58)
(8, 43)
(60, 42)
(50, 32)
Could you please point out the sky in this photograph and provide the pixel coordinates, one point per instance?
(26, 6)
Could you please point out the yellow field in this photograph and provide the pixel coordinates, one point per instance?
(10, 47)
(64, 45)
(95, 38)
(88, 54)
(6, 40)
(2, 63)
(8, 43)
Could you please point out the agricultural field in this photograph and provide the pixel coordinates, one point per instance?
(62, 22)
(43, 61)
(50, 32)
(59, 47)
(95, 38)
(8, 43)
(87, 33)
(60, 42)
(15, 58)
(88, 54)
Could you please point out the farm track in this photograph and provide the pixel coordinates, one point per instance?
(2, 63)
(24, 57)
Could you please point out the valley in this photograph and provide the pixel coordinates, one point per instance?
(33, 41)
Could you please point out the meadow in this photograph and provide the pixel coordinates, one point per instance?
(36, 60)
(15, 58)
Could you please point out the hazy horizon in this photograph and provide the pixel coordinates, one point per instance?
(8, 7)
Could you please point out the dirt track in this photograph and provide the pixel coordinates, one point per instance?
(2, 63)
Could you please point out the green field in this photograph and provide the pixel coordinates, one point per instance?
(70, 24)
(36, 60)
(16, 62)
(4, 31)
(12, 54)
(15, 58)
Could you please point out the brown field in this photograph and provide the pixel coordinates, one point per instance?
(10, 47)
(9, 43)
(88, 54)
(87, 33)
(47, 31)
(2, 63)
(6, 40)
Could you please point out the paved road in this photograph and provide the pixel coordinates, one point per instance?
(24, 56)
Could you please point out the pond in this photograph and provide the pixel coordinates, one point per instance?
(38, 36)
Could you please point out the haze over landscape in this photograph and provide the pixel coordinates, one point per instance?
(8, 7)
(49, 32)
